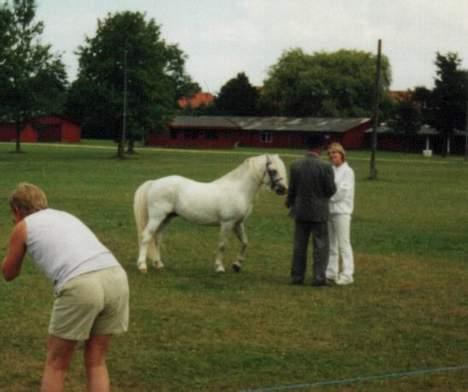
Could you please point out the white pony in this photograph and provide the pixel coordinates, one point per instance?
(227, 202)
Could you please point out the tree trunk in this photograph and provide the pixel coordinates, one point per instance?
(130, 144)
(18, 136)
(445, 145)
(120, 150)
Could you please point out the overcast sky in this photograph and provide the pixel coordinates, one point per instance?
(225, 37)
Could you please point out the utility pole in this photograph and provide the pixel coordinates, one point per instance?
(121, 152)
(375, 119)
(466, 132)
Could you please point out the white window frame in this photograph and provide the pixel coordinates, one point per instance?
(266, 137)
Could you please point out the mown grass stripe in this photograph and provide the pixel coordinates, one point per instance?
(425, 161)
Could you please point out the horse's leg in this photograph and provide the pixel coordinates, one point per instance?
(157, 262)
(223, 237)
(146, 237)
(239, 230)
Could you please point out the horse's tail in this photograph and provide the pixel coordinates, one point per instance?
(140, 209)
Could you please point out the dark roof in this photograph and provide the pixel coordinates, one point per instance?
(427, 130)
(42, 116)
(424, 130)
(305, 124)
(218, 122)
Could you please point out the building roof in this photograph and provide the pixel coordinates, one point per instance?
(44, 116)
(195, 101)
(425, 130)
(304, 124)
(211, 122)
(400, 95)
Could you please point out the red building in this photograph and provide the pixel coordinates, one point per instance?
(197, 100)
(271, 132)
(51, 128)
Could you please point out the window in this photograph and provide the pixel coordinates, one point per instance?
(190, 134)
(266, 137)
(211, 135)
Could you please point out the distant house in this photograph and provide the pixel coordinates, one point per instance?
(51, 128)
(400, 95)
(426, 138)
(196, 101)
(271, 132)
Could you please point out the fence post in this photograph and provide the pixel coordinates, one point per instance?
(375, 119)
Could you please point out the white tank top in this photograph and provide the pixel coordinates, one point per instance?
(63, 247)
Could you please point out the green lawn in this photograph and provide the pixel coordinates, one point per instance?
(194, 330)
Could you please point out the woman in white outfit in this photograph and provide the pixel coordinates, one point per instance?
(339, 224)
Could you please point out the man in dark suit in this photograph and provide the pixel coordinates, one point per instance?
(311, 184)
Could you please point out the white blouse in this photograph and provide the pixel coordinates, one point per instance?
(342, 202)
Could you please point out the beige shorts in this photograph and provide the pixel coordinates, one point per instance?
(95, 303)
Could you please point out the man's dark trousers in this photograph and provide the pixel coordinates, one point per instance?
(302, 233)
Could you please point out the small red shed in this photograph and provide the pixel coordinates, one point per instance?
(52, 128)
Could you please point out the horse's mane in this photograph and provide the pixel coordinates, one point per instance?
(247, 164)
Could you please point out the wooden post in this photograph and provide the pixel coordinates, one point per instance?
(466, 132)
(375, 119)
(121, 151)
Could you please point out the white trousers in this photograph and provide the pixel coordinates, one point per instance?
(339, 232)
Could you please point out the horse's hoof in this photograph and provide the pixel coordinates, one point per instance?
(220, 269)
(236, 267)
(158, 266)
(143, 269)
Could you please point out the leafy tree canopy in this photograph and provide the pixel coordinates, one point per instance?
(448, 99)
(237, 97)
(406, 117)
(127, 42)
(33, 80)
(323, 84)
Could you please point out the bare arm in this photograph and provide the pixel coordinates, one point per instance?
(11, 266)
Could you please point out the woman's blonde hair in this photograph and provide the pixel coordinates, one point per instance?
(337, 147)
(28, 198)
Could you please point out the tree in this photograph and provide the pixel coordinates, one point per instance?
(33, 80)
(406, 118)
(183, 83)
(448, 103)
(154, 72)
(237, 97)
(422, 98)
(323, 84)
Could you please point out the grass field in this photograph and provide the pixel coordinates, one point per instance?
(194, 330)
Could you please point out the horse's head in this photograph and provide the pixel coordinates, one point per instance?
(276, 174)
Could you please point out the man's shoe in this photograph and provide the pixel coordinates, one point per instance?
(320, 283)
(297, 282)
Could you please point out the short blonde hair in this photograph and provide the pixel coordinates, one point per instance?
(337, 147)
(28, 198)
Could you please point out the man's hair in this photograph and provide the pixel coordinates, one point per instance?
(28, 198)
(314, 141)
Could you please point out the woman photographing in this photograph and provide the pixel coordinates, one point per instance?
(90, 286)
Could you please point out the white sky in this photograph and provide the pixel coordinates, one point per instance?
(225, 37)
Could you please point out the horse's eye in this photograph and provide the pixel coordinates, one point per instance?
(273, 172)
